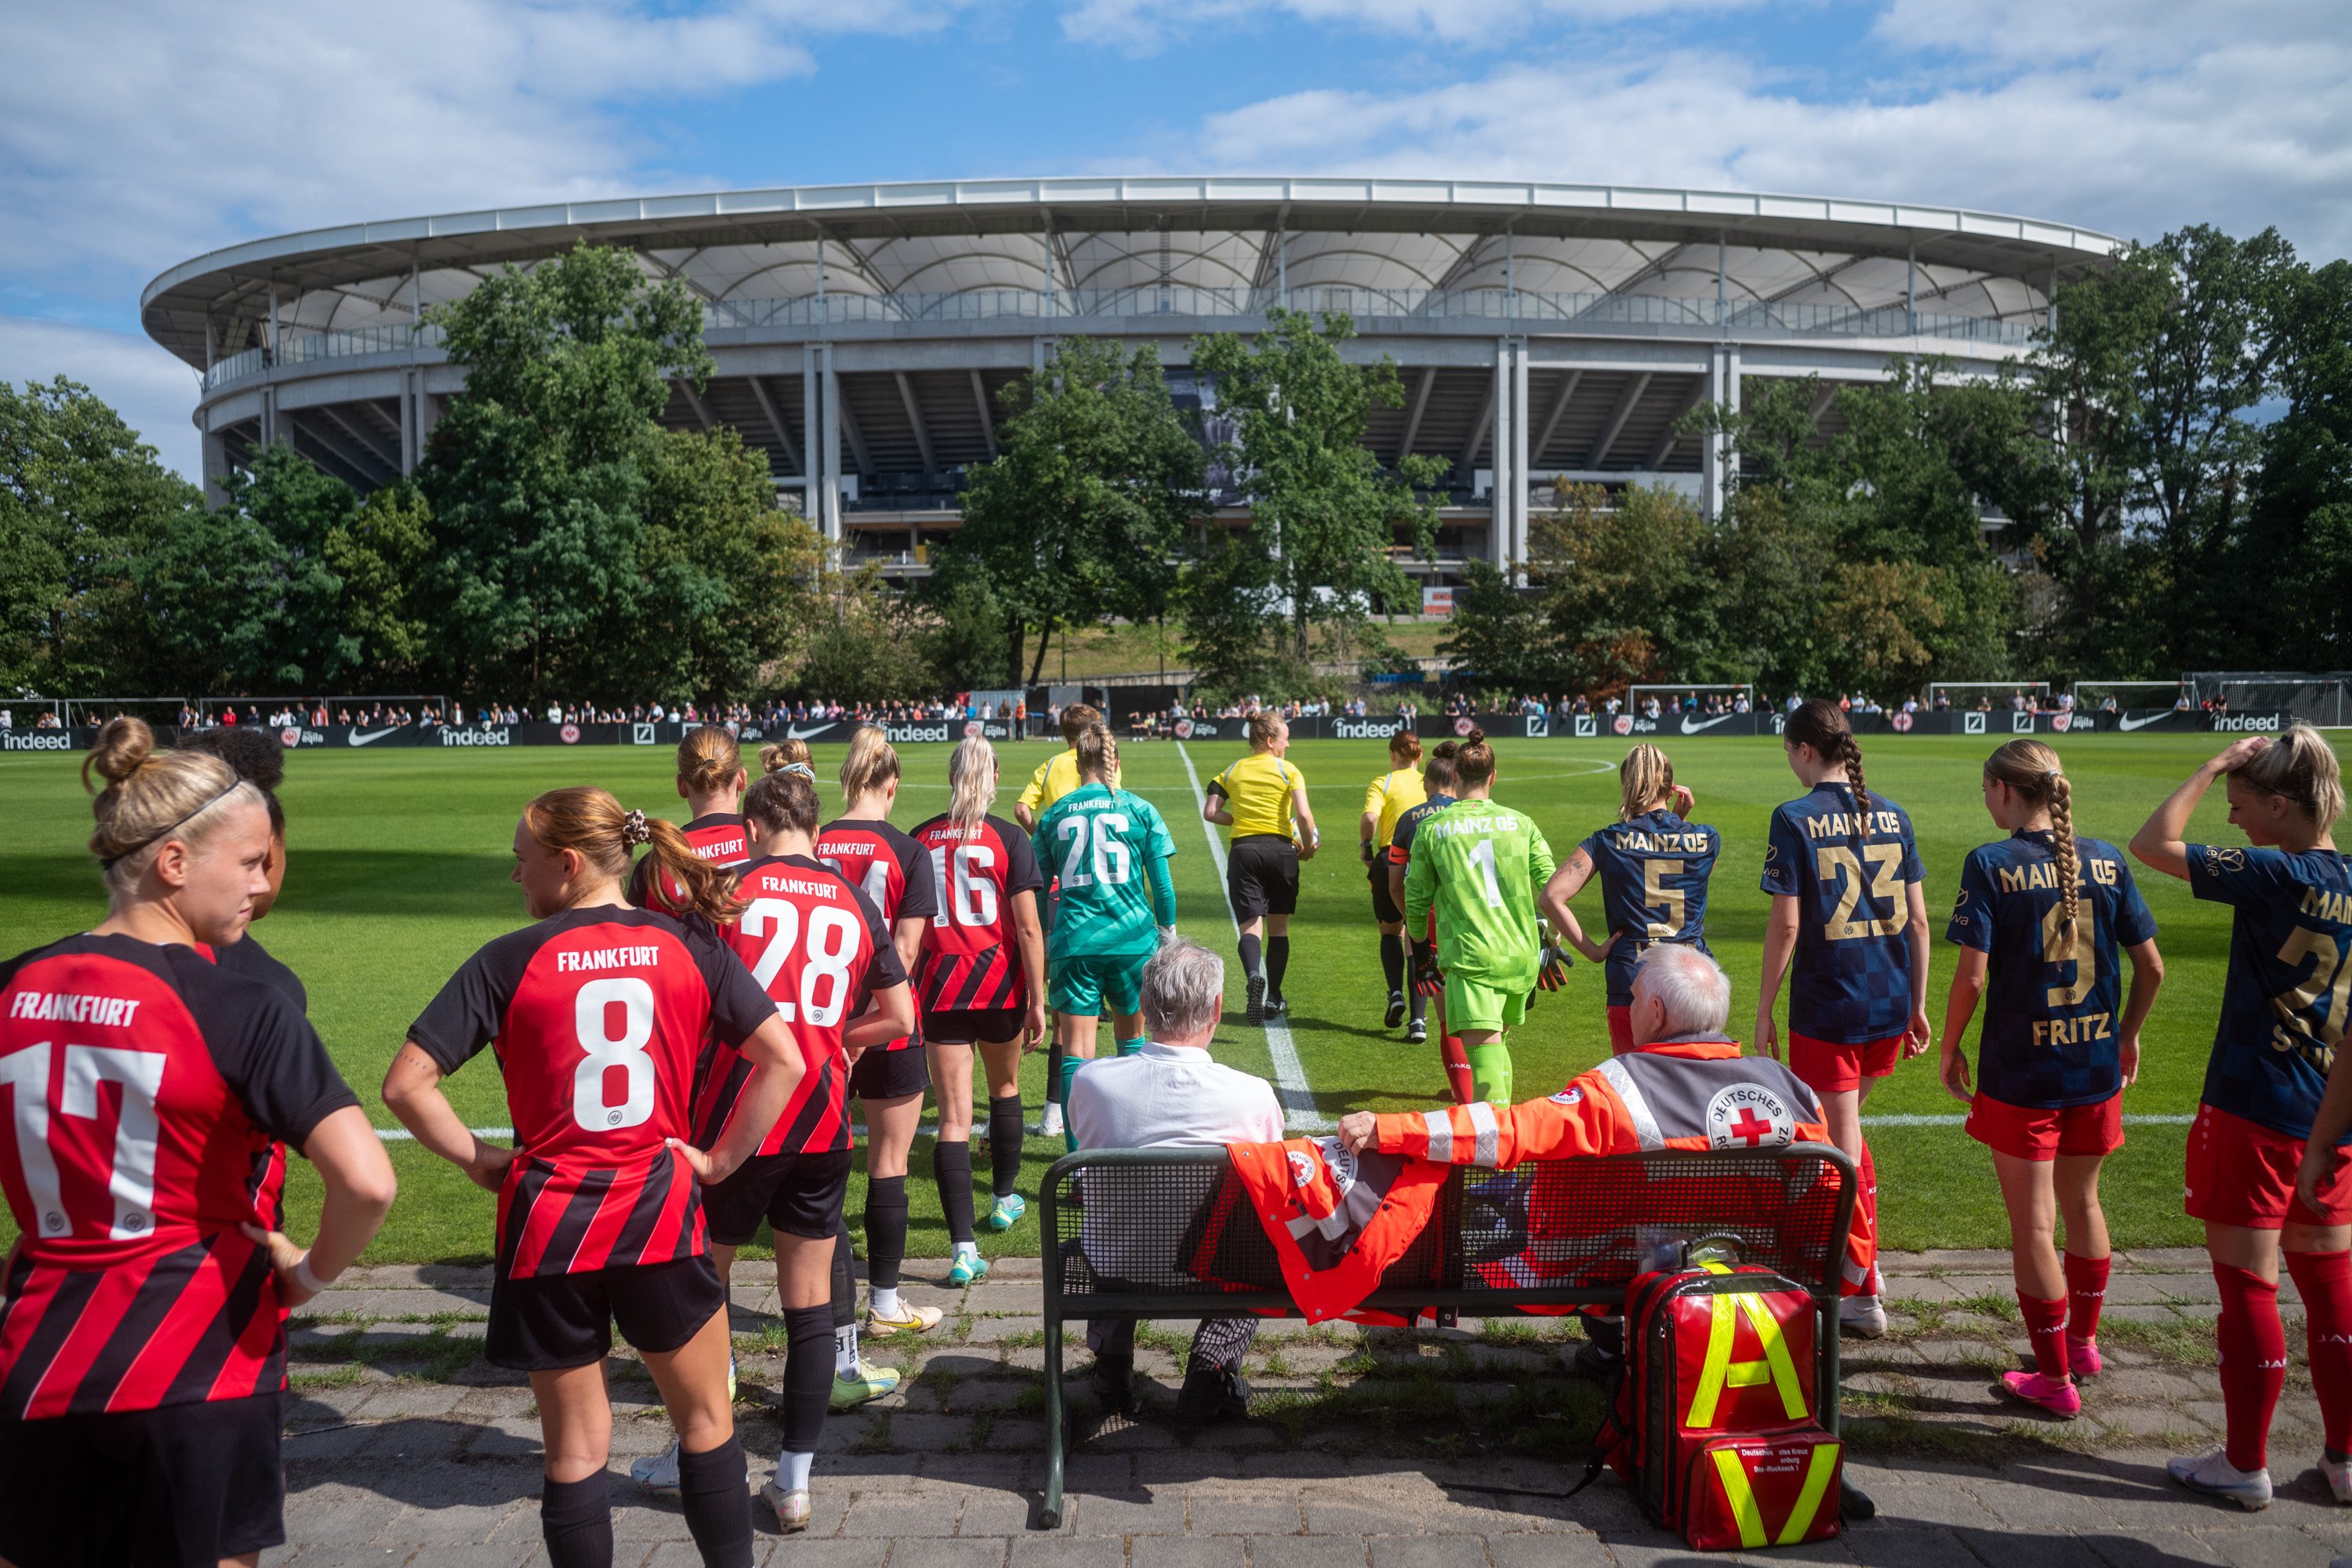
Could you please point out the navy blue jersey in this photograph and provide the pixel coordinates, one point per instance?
(2052, 992)
(1409, 823)
(2284, 1006)
(1654, 870)
(1850, 980)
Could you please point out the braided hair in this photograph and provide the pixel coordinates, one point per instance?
(2032, 769)
(1823, 726)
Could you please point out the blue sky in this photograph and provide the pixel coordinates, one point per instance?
(139, 132)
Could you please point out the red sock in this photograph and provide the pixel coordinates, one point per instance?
(2086, 1292)
(2325, 1279)
(2253, 1362)
(2045, 1325)
(1861, 1242)
(1458, 1068)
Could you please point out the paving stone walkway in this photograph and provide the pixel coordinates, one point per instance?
(1365, 1449)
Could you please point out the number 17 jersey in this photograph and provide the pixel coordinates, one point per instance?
(1850, 978)
(970, 960)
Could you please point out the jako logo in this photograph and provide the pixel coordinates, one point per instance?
(1366, 729)
(2241, 722)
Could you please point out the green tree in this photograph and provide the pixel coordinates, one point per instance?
(1498, 636)
(863, 645)
(1324, 516)
(1082, 516)
(379, 552)
(965, 646)
(1624, 586)
(2290, 578)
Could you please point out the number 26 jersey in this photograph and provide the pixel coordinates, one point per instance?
(597, 1015)
(1849, 979)
(970, 960)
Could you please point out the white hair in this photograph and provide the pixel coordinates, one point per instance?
(1696, 991)
(1183, 986)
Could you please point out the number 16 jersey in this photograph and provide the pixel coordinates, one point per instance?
(970, 960)
(1850, 978)
(597, 1015)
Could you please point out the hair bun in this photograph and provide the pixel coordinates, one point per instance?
(636, 829)
(1476, 737)
(123, 748)
(802, 769)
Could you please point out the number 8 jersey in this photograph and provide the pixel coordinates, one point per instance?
(597, 1015)
(970, 958)
(1850, 980)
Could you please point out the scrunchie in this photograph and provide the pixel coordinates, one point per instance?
(636, 829)
(802, 769)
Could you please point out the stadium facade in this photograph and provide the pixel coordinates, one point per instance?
(862, 332)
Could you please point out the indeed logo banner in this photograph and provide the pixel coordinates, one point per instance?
(1362, 729)
(489, 735)
(911, 735)
(38, 740)
(2246, 722)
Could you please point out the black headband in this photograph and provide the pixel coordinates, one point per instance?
(108, 863)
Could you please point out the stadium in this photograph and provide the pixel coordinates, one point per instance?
(861, 332)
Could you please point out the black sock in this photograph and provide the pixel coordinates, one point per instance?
(1277, 960)
(1053, 1061)
(1249, 955)
(1393, 959)
(1005, 1134)
(717, 1508)
(886, 1229)
(575, 1519)
(951, 1169)
(1419, 1003)
(845, 1280)
(808, 1376)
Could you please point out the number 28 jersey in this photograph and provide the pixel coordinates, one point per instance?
(1654, 870)
(971, 959)
(597, 1015)
(1849, 979)
(891, 868)
(2290, 984)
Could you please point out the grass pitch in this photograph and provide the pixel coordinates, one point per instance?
(398, 864)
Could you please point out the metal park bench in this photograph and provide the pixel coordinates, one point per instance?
(1174, 1235)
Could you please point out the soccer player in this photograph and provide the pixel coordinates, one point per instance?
(894, 874)
(1263, 799)
(2041, 919)
(1056, 776)
(1849, 930)
(1386, 798)
(1478, 866)
(710, 781)
(142, 1364)
(1653, 868)
(261, 762)
(1109, 849)
(823, 948)
(2268, 1170)
(1437, 777)
(598, 1011)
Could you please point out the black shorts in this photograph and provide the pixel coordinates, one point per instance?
(1262, 875)
(551, 1321)
(798, 1194)
(888, 1075)
(189, 1483)
(969, 1025)
(1384, 908)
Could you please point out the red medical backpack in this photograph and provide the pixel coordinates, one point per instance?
(1715, 1426)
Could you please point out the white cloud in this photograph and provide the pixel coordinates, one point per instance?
(1139, 27)
(151, 389)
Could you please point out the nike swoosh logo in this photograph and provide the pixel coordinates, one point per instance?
(2129, 724)
(794, 731)
(357, 739)
(1691, 728)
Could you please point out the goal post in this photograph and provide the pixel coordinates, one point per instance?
(2005, 688)
(1675, 691)
(2090, 694)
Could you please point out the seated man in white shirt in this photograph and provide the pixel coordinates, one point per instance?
(1170, 1094)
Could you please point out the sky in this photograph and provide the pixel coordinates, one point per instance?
(137, 133)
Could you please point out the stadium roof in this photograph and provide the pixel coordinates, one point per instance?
(1084, 233)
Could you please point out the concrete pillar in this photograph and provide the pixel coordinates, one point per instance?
(408, 379)
(1711, 457)
(1521, 479)
(215, 460)
(829, 386)
(1498, 532)
(808, 432)
(268, 416)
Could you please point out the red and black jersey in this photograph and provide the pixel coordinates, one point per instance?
(971, 959)
(891, 868)
(250, 959)
(597, 1015)
(822, 949)
(717, 838)
(143, 1090)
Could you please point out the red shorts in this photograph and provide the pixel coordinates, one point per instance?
(2243, 1173)
(2030, 1132)
(1621, 1030)
(1827, 1069)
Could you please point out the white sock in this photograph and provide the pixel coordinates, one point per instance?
(882, 1301)
(967, 1249)
(844, 1351)
(1052, 1123)
(793, 1471)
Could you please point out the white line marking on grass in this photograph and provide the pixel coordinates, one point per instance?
(1290, 1076)
(403, 1135)
(1962, 1120)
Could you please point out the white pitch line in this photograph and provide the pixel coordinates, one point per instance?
(1299, 1101)
(1962, 1120)
(1290, 1078)
(403, 1135)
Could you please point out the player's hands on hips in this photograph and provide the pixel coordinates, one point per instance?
(1358, 1132)
(707, 1167)
(2127, 1058)
(1594, 952)
(1954, 1070)
(1555, 963)
(1767, 1036)
(1918, 1036)
(284, 1259)
(1428, 980)
(489, 1169)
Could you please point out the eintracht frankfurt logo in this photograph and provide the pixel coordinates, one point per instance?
(1902, 723)
(289, 737)
(570, 734)
(2061, 722)
(1748, 1116)
(970, 728)
(1623, 724)
(1463, 726)
(1184, 728)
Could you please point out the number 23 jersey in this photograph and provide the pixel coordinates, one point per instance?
(1849, 979)
(970, 960)
(597, 1015)
(2284, 1006)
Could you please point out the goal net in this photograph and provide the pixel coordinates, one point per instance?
(1670, 697)
(1967, 693)
(2095, 694)
(2319, 698)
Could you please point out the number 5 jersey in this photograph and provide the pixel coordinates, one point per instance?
(142, 1088)
(1850, 980)
(597, 1016)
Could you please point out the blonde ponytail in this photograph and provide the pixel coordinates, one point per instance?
(2035, 772)
(1642, 778)
(2300, 768)
(971, 784)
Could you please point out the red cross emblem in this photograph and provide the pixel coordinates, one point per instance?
(1755, 1129)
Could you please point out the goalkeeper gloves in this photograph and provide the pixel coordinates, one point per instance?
(1555, 963)
(1427, 979)
(1365, 846)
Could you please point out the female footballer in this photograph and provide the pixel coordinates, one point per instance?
(1263, 799)
(1653, 868)
(1437, 776)
(710, 781)
(1056, 776)
(2041, 921)
(1479, 866)
(2265, 1175)
(142, 1360)
(981, 981)
(1849, 931)
(1386, 798)
(260, 762)
(599, 1012)
(1108, 850)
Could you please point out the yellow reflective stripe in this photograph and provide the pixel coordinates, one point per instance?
(1719, 1371)
(1809, 1501)
(1776, 1356)
(1741, 1496)
(1716, 1368)
(1750, 1374)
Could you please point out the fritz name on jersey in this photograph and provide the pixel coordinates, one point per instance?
(594, 958)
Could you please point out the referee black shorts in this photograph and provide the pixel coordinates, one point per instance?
(1262, 875)
(1384, 908)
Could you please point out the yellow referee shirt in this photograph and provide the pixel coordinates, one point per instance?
(1390, 796)
(1052, 780)
(1257, 792)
